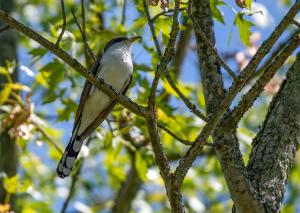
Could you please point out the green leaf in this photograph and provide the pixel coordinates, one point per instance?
(65, 113)
(249, 4)
(138, 24)
(243, 26)
(4, 94)
(55, 73)
(163, 25)
(11, 184)
(15, 86)
(40, 51)
(216, 11)
(141, 166)
(5, 72)
(143, 67)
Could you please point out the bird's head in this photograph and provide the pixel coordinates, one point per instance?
(121, 41)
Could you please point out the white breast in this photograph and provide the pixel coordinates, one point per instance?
(116, 68)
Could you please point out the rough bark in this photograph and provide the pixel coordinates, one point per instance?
(8, 148)
(275, 146)
(227, 146)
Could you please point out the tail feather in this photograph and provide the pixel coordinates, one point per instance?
(67, 161)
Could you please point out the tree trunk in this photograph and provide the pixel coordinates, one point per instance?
(276, 144)
(8, 149)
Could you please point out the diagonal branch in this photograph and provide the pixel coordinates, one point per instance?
(99, 83)
(48, 137)
(183, 141)
(164, 13)
(187, 101)
(83, 35)
(124, 12)
(64, 22)
(186, 162)
(4, 28)
(275, 53)
(212, 48)
(258, 87)
(167, 56)
(152, 29)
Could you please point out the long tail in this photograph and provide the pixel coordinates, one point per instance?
(67, 161)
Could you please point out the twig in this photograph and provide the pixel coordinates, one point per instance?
(190, 105)
(186, 162)
(164, 13)
(99, 83)
(258, 87)
(219, 59)
(48, 137)
(124, 12)
(173, 192)
(64, 22)
(82, 32)
(87, 46)
(187, 102)
(152, 29)
(167, 57)
(183, 141)
(109, 126)
(4, 28)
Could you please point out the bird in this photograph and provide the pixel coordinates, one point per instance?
(115, 68)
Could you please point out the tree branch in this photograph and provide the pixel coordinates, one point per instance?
(183, 141)
(212, 48)
(124, 12)
(152, 29)
(276, 144)
(48, 137)
(164, 13)
(83, 34)
(64, 23)
(275, 53)
(249, 98)
(186, 162)
(99, 83)
(4, 28)
(187, 102)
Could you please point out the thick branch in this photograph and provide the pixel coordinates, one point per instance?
(275, 146)
(108, 90)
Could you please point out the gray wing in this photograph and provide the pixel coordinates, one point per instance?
(96, 67)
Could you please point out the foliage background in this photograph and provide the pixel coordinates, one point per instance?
(52, 90)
